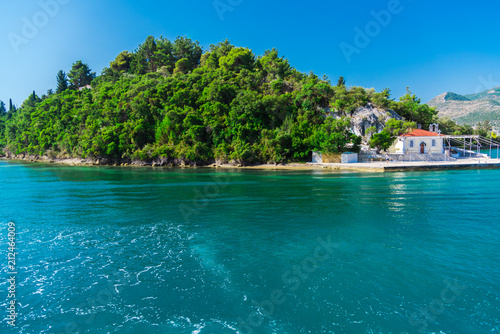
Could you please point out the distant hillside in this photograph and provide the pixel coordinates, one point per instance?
(471, 108)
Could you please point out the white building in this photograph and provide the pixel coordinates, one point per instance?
(420, 142)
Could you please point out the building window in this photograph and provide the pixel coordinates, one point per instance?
(434, 143)
(411, 143)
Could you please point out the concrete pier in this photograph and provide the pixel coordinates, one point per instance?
(397, 166)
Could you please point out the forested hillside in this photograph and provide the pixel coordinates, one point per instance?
(174, 100)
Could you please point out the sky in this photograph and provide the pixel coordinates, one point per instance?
(431, 46)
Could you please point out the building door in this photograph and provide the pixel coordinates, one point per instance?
(422, 148)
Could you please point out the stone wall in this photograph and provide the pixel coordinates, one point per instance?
(368, 156)
(420, 157)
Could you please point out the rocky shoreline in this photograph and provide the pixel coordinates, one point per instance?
(162, 162)
(368, 167)
(76, 161)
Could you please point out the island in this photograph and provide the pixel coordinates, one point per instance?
(172, 103)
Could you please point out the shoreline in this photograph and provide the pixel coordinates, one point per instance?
(370, 167)
(139, 163)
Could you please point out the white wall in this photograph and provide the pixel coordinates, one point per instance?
(349, 158)
(402, 145)
(317, 157)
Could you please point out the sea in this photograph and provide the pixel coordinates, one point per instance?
(200, 251)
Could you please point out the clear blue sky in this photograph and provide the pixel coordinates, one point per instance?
(431, 46)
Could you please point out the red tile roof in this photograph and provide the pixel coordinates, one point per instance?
(421, 133)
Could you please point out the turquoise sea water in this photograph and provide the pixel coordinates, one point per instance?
(123, 250)
(493, 153)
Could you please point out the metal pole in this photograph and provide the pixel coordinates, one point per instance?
(449, 144)
(498, 146)
(478, 150)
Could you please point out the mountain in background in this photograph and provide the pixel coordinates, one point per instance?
(470, 109)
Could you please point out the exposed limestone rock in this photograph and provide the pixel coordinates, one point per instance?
(368, 116)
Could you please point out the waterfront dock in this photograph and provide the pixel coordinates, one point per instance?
(398, 166)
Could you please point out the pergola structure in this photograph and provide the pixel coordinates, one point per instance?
(472, 141)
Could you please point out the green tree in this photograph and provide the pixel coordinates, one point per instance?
(382, 100)
(144, 57)
(335, 135)
(164, 55)
(371, 130)
(122, 62)
(184, 47)
(32, 100)
(216, 51)
(466, 129)
(12, 107)
(382, 140)
(410, 107)
(483, 128)
(80, 75)
(182, 66)
(237, 59)
(410, 102)
(341, 82)
(392, 129)
(399, 127)
(450, 127)
(62, 82)
(3, 110)
(275, 67)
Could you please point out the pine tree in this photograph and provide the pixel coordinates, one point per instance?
(33, 99)
(12, 107)
(2, 108)
(80, 75)
(62, 82)
(341, 82)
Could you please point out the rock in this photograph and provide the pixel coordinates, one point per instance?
(368, 116)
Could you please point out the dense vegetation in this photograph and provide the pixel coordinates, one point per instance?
(174, 100)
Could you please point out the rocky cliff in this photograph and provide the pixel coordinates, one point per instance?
(368, 116)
